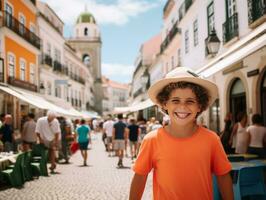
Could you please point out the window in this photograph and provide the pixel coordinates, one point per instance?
(195, 32)
(49, 49)
(186, 41)
(32, 73)
(9, 11)
(210, 17)
(58, 91)
(32, 28)
(22, 66)
(179, 57)
(49, 88)
(173, 62)
(11, 65)
(22, 23)
(86, 31)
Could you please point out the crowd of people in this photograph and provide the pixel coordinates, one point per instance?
(242, 138)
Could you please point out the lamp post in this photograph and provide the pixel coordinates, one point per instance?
(213, 43)
(42, 88)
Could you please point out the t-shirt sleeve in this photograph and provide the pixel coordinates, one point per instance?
(144, 162)
(220, 162)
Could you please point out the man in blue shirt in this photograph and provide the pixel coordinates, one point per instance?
(83, 132)
(119, 138)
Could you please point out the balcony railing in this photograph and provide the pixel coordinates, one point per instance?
(256, 9)
(170, 36)
(188, 3)
(22, 84)
(2, 77)
(77, 78)
(13, 24)
(46, 59)
(57, 66)
(230, 28)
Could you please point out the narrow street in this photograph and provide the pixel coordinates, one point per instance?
(100, 180)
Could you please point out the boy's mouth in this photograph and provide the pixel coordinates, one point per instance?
(182, 115)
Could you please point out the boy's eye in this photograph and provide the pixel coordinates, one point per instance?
(175, 101)
(190, 102)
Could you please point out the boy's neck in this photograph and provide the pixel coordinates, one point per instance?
(182, 131)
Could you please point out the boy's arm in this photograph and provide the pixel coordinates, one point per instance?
(225, 186)
(137, 186)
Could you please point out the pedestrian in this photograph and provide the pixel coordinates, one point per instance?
(108, 130)
(49, 134)
(257, 136)
(240, 134)
(29, 136)
(226, 133)
(7, 134)
(83, 132)
(183, 155)
(65, 128)
(134, 134)
(119, 138)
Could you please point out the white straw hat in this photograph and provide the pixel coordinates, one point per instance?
(183, 74)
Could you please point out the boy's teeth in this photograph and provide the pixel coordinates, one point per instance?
(182, 115)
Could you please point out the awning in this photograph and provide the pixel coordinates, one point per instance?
(138, 106)
(20, 96)
(235, 57)
(142, 105)
(36, 100)
(90, 114)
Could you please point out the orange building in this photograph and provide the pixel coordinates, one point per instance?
(19, 49)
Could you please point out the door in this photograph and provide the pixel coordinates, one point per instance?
(263, 99)
(237, 99)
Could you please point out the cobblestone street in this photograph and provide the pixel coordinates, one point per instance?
(100, 180)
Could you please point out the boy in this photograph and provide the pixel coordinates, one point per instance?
(183, 155)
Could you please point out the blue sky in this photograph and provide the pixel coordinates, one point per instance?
(124, 24)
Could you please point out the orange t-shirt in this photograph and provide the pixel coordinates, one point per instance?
(182, 167)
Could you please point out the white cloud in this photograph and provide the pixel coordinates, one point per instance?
(117, 13)
(118, 72)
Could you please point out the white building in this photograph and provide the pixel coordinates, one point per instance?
(115, 95)
(239, 67)
(65, 79)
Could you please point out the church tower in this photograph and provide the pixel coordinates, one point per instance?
(87, 42)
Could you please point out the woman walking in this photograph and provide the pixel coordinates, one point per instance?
(83, 132)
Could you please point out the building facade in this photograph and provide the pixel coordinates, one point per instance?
(19, 50)
(115, 95)
(87, 42)
(238, 66)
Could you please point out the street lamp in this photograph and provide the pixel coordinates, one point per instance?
(213, 43)
(42, 88)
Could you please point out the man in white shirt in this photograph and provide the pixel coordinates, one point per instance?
(108, 130)
(48, 132)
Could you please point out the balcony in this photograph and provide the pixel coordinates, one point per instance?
(230, 28)
(256, 12)
(170, 37)
(14, 25)
(188, 3)
(46, 59)
(57, 66)
(77, 78)
(22, 84)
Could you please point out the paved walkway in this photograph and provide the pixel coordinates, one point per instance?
(101, 180)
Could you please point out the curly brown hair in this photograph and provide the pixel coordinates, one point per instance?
(202, 94)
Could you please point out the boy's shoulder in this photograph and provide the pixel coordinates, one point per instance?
(152, 135)
(208, 133)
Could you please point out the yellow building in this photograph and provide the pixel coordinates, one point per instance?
(19, 50)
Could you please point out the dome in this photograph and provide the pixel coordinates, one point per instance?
(86, 17)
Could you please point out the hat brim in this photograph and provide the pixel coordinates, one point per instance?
(157, 87)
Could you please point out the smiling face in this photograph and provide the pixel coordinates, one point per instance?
(182, 106)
